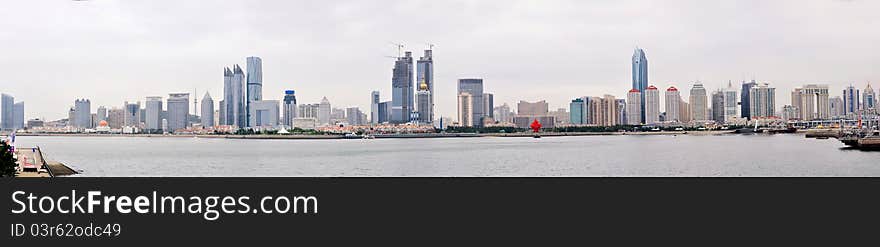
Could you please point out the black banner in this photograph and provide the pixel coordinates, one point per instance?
(431, 211)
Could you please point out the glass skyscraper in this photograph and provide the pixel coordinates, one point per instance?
(425, 74)
(254, 83)
(640, 76)
(474, 88)
(402, 89)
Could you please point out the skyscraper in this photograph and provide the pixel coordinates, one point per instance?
(153, 114)
(503, 114)
(869, 99)
(178, 111)
(132, 116)
(745, 99)
(488, 103)
(652, 105)
(289, 108)
(18, 116)
(425, 74)
(234, 97)
(810, 102)
(102, 113)
(699, 103)
(254, 83)
(474, 87)
(207, 111)
(730, 103)
(673, 105)
(7, 111)
(82, 113)
(324, 112)
(374, 107)
(836, 107)
(718, 106)
(466, 109)
(762, 100)
(424, 107)
(851, 97)
(576, 111)
(634, 107)
(402, 89)
(640, 76)
(353, 116)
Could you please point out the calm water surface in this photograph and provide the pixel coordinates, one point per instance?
(725, 155)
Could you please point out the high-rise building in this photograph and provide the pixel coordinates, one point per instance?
(684, 112)
(234, 100)
(851, 97)
(18, 116)
(634, 107)
(745, 98)
(307, 111)
(178, 111)
(609, 110)
(474, 87)
(115, 117)
(869, 99)
(673, 105)
(374, 107)
(254, 84)
(576, 111)
(102, 113)
(7, 111)
(730, 103)
(466, 109)
(264, 113)
(488, 104)
(82, 113)
(153, 114)
(527, 112)
(132, 116)
(621, 111)
(207, 111)
(652, 105)
(718, 106)
(384, 112)
(425, 74)
(353, 116)
(836, 107)
(762, 100)
(324, 112)
(699, 103)
(811, 102)
(640, 76)
(424, 106)
(790, 112)
(402, 89)
(503, 114)
(289, 108)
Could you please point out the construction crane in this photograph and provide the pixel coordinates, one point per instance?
(430, 46)
(399, 48)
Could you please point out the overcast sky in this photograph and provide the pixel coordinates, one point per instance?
(54, 51)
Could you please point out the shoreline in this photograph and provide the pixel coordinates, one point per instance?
(394, 136)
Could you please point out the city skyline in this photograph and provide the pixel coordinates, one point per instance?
(676, 55)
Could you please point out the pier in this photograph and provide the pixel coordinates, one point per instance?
(32, 163)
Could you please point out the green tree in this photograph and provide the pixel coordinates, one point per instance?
(7, 162)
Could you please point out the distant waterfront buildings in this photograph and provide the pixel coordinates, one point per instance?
(254, 86)
(673, 105)
(425, 74)
(836, 107)
(178, 111)
(7, 111)
(18, 115)
(503, 114)
(869, 99)
(132, 116)
(528, 112)
(264, 113)
(207, 114)
(718, 106)
(698, 103)
(354, 116)
(465, 109)
(424, 105)
(234, 97)
(308, 111)
(851, 97)
(289, 108)
(745, 99)
(640, 76)
(153, 114)
(374, 107)
(634, 107)
(810, 102)
(576, 111)
(82, 114)
(324, 112)
(652, 105)
(402, 89)
(474, 90)
(730, 103)
(762, 101)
